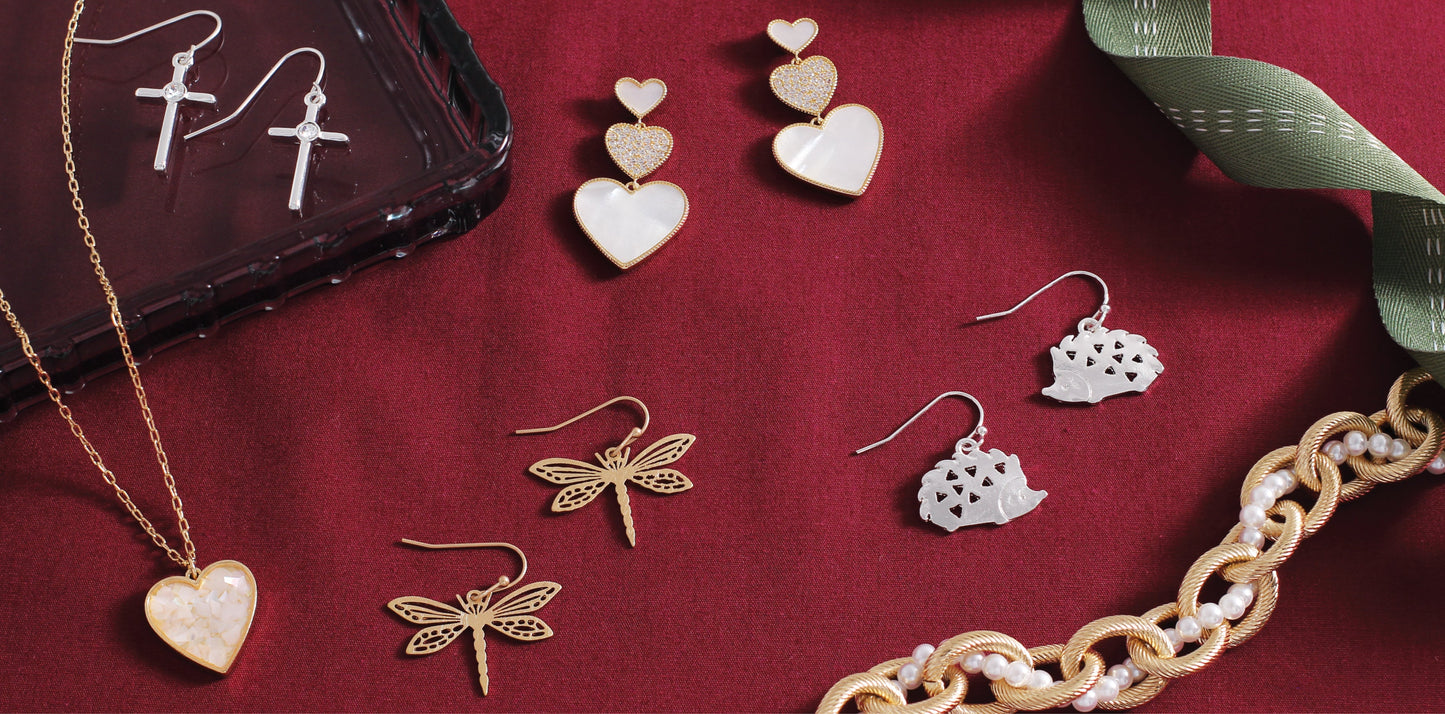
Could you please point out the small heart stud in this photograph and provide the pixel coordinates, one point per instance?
(640, 98)
(793, 36)
(807, 85)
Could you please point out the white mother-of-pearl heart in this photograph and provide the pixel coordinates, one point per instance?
(628, 226)
(206, 619)
(640, 98)
(840, 155)
(793, 36)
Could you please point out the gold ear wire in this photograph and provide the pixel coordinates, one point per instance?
(502, 582)
(631, 436)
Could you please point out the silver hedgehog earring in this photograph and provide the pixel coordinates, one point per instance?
(1096, 363)
(973, 486)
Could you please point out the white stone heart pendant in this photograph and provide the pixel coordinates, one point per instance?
(640, 98)
(793, 36)
(205, 619)
(838, 152)
(627, 224)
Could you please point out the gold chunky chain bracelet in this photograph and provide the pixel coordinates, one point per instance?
(1158, 655)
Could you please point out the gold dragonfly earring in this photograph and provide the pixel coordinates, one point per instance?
(615, 467)
(510, 615)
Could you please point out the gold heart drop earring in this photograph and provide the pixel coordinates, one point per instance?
(628, 222)
(839, 151)
(509, 616)
(585, 481)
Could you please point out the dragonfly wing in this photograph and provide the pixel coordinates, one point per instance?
(566, 471)
(577, 495)
(522, 627)
(425, 611)
(434, 638)
(662, 481)
(667, 450)
(528, 598)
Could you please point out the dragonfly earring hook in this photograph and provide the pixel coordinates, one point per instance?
(503, 582)
(631, 436)
(973, 440)
(175, 91)
(307, 133)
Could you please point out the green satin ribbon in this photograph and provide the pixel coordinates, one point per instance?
(1266, 126)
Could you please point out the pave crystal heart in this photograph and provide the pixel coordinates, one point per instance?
(205, 619)
(807, 85)
(640, 97)
(793, 36)
(840, 155)
(628, 226)
(638, 150)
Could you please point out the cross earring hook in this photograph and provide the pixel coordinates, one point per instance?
(194, 13)
(975, 437)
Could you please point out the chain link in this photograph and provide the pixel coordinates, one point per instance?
(1289, 523)
(187, 557)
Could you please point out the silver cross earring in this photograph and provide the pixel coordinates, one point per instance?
(307, 133)
(175, 91)
(974, 486)
(1096, 363)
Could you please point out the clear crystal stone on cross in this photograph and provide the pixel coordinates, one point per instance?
(307, 133)
(173, 94)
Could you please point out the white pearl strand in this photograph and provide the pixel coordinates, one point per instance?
(1232, 606)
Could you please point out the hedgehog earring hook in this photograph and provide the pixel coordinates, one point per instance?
(1096, 363)
(973, 486)
(972, 441)
(1099, 315)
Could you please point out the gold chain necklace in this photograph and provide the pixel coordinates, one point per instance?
(206, 614)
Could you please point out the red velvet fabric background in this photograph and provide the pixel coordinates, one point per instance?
(784, 328)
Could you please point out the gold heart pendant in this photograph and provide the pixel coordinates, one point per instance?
(205, 619)
(638, 150)
(806, 85)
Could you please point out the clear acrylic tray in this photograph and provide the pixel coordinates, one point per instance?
(212, 238)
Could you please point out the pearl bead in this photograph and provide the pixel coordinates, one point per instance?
(921, 653)
(1189, 629)
(1281, 482)
(1175, 640)
(1210, 615)
(1437, 466)
(1233, 605)
(1379, 445)
(1356, 443)
(1139, 674)
(1107, 690)
(1399, 449)
(1252, 536)
(910, 675)
(1336, 451)
(973, 663)
(1252, 515)
(1040, 679)
(1017, 674)
(1244, 590)
(1121, 676)
(994, 666)
(1086, 702)
(1262, 496)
